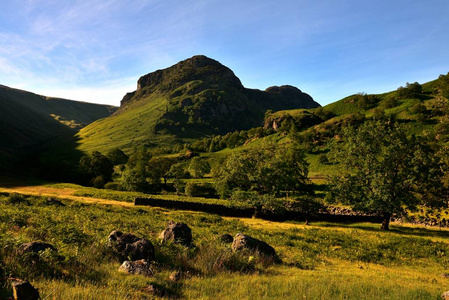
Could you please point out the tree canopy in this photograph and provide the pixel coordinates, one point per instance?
(387, 171)
(268, 169)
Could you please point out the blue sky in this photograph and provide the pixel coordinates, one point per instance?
(96, 50)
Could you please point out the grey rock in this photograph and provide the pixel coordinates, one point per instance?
(242, 242)
(130, 247)
(140, 267)
(177, 233)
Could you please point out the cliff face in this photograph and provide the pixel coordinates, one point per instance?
(206, 97)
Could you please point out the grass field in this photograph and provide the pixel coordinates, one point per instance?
(319, 261)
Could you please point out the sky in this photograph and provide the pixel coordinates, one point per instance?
(96, 50)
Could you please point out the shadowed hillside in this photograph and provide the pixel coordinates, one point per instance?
(28, 121)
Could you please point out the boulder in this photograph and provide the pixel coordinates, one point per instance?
(177, 233)
(130, 247)
(175, 276)
(140, 267)
(23, 290)
(445, 295)
(242, 242)
(155, 290)
(35, 247)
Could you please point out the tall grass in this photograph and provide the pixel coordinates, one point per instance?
(317, 262)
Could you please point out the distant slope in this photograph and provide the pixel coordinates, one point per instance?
(424, 109)
(192, 99)
(29, 120)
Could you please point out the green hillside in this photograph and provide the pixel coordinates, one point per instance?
(195, 98)
(423, 108)
(28, 121)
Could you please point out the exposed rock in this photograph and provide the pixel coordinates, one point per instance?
(130, 247)
(175, 276)
(155, 290)
(178, 233)
(445, 275)
(226, 238)
(23, 290)
(445, 295)
(54, 201)
(242, 241)
(140, 267)
(35, 247)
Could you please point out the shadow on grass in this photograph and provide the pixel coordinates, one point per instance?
(401, 230)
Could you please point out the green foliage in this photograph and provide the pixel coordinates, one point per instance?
(97, 167)
(411, 90)
(386, 170)
(198, 167)
(206, 190)
(117, 156)
(269, 169)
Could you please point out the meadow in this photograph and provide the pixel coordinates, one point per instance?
(318, 261)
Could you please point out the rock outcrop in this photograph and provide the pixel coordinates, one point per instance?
(242, 241)
(35, 247)
(178, 233)
(130, 247)
(139, 267)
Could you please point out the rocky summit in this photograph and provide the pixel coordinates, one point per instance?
(205, 96)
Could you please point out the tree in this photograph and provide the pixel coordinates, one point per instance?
(117, 156)
(386, 171)
(198, 167)
(97, 167)
(268, 169)
(159, 167)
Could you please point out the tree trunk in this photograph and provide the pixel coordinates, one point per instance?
(386, 221)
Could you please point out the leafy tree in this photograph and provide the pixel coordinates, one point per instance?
(269, 169)
(117, 157)
(386, 171)
(178, 172)
(410, 90)
(159, 167)
(198, 167)
(97, 168)
(135, 179)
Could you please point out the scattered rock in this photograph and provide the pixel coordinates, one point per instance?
(242, 241)
(155, 290)
(226, 238)
(175, 276)
(445, 296)
(130, 247)
(35, 247)
(178, 233)
(54, 201)
(23, 290)
(445, 275)
(140, 267)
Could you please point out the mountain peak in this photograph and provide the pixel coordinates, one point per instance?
(198, 67)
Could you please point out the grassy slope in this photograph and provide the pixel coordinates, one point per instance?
(134, 125)
(321, 261)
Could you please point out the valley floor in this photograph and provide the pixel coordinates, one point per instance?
(319, 261)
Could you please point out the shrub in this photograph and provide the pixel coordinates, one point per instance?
(113, 186)
(206, 190)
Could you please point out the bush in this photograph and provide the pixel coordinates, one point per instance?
(113, 186)
(323, 159)
(206, 190)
